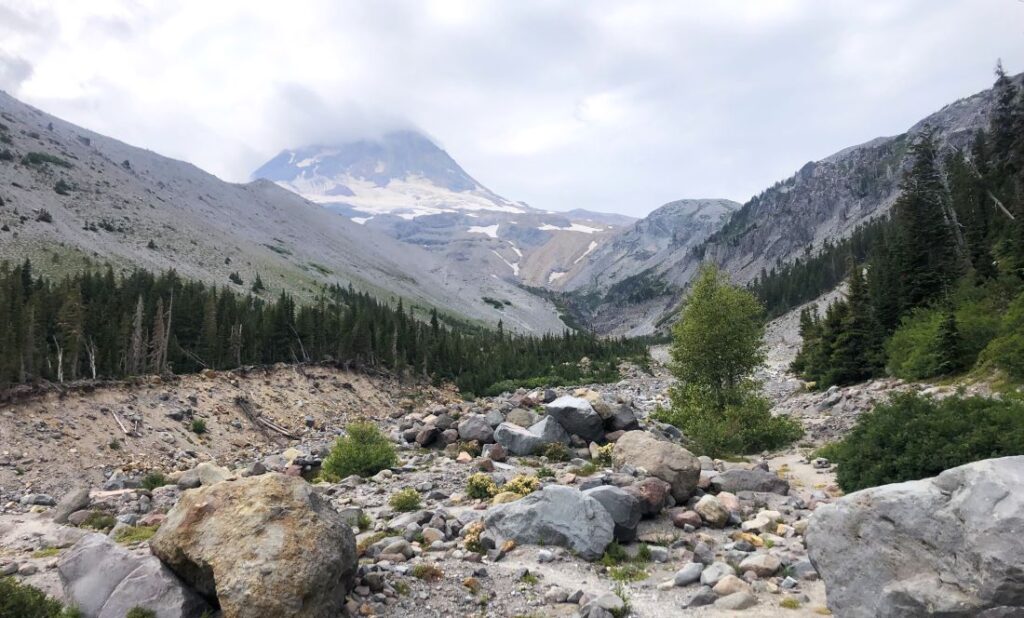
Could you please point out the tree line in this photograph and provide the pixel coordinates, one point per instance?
(941, 286)
(97, 325)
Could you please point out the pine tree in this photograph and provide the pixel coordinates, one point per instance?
(925, 248)
(855, 354)
(947, 345)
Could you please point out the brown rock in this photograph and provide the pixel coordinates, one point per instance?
(262, 546)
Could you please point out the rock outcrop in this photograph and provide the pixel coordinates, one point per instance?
(261, 546)
(949, 545)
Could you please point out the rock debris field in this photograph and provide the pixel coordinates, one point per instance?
(549, 502)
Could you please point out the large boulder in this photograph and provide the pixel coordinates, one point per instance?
(555, 515)
(623, 506)
(578, 417)
(476, 428)
(262, 546)
(662, 459)
(549, 431)
(105, 580)
(75, 500)
(949, 545)
(739, 479)
(517, 440)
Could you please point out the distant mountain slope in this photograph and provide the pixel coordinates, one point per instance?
(407, 187)
(824, 200)
(70, 197)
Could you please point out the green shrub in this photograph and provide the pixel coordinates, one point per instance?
(481, 486)
(405, 500)
(99, 521)
(911, 350)
(153, 480)
(19, 600)
(556, 451)
(39, 158)
(364, 451)
(140, 612)
(427, 572)
(627, 573)
(198, 426)
(522, 485)
(1006, 350)
(914, 437)
(135, 534)
(744, 425)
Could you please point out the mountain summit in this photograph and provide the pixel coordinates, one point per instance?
(402, 173)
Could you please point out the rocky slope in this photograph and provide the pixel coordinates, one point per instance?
(407, 187)
(824, 200)
(71, 198)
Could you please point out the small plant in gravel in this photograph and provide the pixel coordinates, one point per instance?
(545, 472)
(365, 544)
(401, 588)
(522, 485)
(405, 500)
(627, 573)
(790, 603)
(586, 469)
(427, 572)
(627, 609)
(363, 522)
(529, 578)
(46, 552)
(481, 486)
(556, 451)
(472, 537)
(364, 451)
(99, 521)
(198, 426)
(153, 480)
(140, 612)
(614, 554)
(135, 534)
(114, 445)
(604, 455)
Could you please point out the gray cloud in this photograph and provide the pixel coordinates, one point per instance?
(603, 104)
(13, 71)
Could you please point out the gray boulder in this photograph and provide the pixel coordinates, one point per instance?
(74, 500)
(738, 479)
(662, 459)
(949, 545)
(106, 580)
(555, 515)
(578, 417)
(523, 418)
(476, 428)
(549, 431)
(622, 419)
(517, 440)
(623, 506)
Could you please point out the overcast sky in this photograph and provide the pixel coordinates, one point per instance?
(614, 106)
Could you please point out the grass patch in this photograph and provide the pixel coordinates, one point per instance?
(586, 469)
(140, 612)
(135, 534)
(627, 573)
(40, 158)
(790, 603)
(198, 426)
(99, 521)
(46, 552)
(427, 572)
(556, 451)
(365, 544)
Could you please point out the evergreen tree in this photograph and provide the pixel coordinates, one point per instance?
(947, 345)
(856, 350)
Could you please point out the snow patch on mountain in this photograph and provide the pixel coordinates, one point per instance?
(575, 227)
(489, 230)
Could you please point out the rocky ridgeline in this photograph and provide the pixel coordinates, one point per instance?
(549, 502)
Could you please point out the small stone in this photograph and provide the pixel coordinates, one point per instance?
(689, 574)
(714, 572)
(684, 517)
(763, 565)
(737, 601)
(730, 584)
(712, 511)
(704, 596)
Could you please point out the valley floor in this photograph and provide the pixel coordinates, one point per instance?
(59, 441)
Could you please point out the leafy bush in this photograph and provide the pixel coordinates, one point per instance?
(19, 600)
(522, 485)
(153, 480)
(99, 521)
(744, 425)
(140, 612)
(405, 500)
(39, 158)
(135, 534)
(481, 486)
(911, 350)
(427, 572)
(556, 451)
(198, 426)
(364, 451)
(1006, 350)
(914, 437)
